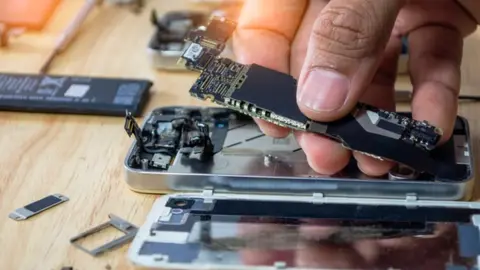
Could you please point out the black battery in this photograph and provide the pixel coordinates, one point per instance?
(73, 94)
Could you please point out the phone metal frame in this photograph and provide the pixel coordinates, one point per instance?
(156, 182)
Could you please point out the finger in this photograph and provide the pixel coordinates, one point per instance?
(328, 157)
(345, 48)
(439, 12)
(323, 155)
(300, 42)
(381, 94)
(435, 59)
(271, 129)
(263, 39)
(371, 166)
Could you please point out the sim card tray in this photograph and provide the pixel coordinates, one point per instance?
(126, 227)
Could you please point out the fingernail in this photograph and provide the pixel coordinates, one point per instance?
(324, 90)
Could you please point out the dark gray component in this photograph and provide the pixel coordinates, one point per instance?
(172, 28)
(37, 207)
(72, 94)
(270, 90)
(127, 228)
(167, 43)
(161, 161)
(469, 244)
(183, 253)
(357, 132)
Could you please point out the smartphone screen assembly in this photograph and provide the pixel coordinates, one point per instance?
(249, 232)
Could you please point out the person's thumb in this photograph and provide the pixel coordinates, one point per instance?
(345, 48)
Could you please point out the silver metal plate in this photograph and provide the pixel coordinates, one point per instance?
(126, 227)
(37, 207)
(215, 232)
(252, 162)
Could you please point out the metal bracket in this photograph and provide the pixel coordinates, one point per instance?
(318, 198)
(207, 194)
(37, 207)
(126, 227)
(208, 191)
(411, 197)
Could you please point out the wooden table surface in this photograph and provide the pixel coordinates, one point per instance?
(82, 156)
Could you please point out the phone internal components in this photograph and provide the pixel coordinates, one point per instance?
(172, 28)
(249, 89)
(168, 41)
(126, 227)
(37, 207)
(166, 135)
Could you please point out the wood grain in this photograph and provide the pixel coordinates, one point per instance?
(81, 156)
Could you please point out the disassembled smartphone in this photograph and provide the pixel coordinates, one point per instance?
(238, 199)
(190, 148)
(168, 41)
(219, 231)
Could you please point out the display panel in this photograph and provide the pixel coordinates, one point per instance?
(257, 233)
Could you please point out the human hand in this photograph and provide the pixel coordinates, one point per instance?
(345, 51)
